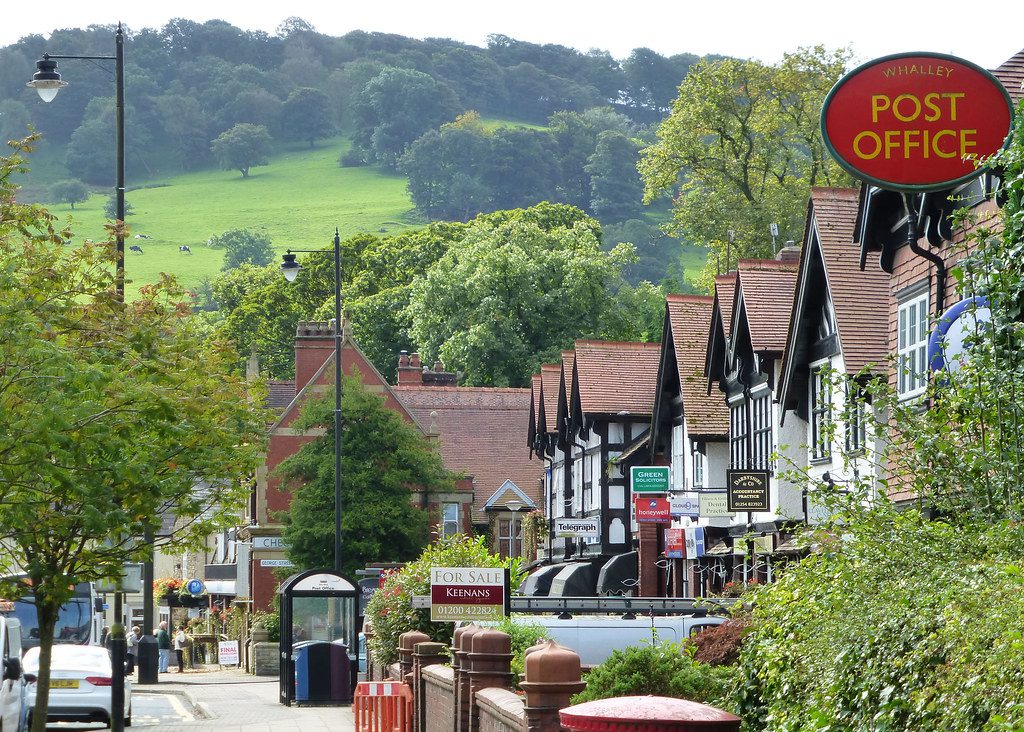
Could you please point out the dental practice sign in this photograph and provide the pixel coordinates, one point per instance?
(916, 121)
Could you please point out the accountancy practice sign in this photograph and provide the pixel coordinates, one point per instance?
(916, 121)
(467, 593)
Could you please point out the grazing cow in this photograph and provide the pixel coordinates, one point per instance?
(135, 248)
(143, 236)
(184, 249)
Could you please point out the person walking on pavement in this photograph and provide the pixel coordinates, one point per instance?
(163, 644)
(180, 643)
(133, 648)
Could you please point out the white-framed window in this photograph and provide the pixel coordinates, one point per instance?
(821, 413)
(856, 420)
(698, 466)
(738, 435)
(510, 537)
(912, 346)
(450, 519)
(678, 457)
(761, 433)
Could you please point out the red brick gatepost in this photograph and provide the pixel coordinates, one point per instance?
(406, 642)
(552, 676)
(461, 646)
(647, 714)
(423, 655)
(490, 666)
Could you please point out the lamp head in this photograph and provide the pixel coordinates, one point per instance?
(46, 81)
(290, 267)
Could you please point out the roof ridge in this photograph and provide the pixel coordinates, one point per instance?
(690, 298)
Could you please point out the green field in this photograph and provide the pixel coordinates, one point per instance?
(298, 200)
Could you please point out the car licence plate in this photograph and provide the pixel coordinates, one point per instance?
(63, 683)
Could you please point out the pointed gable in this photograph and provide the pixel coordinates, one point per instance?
(616, 377)
(508, 493)
(764, 300)
(689, 319)
(551, 378)
(720, 329)
(830, 274)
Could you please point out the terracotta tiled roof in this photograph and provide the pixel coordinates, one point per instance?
(860, 298)
(551, 377)
(725, 294)
(690, 318)
(766, 286)
(616, 377)
(483, 434)
(280, 393)
(535, 394)
(1011, 74)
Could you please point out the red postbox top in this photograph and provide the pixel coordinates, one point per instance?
(639, 713)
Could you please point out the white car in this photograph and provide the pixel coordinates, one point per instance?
(80, 684)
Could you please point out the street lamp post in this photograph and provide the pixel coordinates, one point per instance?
(291, 268)
(47, 82)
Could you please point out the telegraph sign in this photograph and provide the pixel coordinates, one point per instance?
(916, 121)
(587, 528)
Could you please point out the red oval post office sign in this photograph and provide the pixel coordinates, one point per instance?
(916, 121)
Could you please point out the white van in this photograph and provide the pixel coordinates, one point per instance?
(594, 637)
(12, 683)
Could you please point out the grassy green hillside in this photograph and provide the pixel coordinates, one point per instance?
(298, 200)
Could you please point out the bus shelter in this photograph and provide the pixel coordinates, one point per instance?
(319, 638)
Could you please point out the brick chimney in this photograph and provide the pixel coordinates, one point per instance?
(314, 344)
(789, 253)
(410, 370)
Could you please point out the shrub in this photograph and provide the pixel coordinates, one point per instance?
(661, 669)
(270, 621)
(523, 636)
(352, 158)
(719, 645)
(390, 609)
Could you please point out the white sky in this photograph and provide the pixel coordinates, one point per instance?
(986, 32)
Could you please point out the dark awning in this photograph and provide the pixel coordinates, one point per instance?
(538, 583)
(618, 575)
(574, 580)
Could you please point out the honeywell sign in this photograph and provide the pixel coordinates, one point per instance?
(916, 121)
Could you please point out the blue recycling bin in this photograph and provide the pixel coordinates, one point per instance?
(300, 656)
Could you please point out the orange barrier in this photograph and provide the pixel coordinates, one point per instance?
(383, 706)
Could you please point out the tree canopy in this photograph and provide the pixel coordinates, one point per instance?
(383, 459)
(242, 147)
(741, 149)
(243, 246)
(114, 416)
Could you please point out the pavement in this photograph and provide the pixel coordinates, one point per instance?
(231, 700)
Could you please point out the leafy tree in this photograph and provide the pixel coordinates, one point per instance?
(444, 167)
(253, 105)
(656, 251)
(396, 107)
(652, 82)
(14, 120)
(478, 81)
(110, 208)
(69, 191)
(742, 148)
(243, 246)
(384, 457)
(509, 295)
(575, 134)
(113, 414)
(615, 185)
(522, 169)
(242, 147)
(187, 126)
(305, 115)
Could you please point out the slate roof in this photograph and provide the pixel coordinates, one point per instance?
(280, 393)
(1011, 74)
(690, 318)
(860, 298)
(766, 287)
(483, 433)
(616, 376)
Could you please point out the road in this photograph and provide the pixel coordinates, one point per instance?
(148, 710)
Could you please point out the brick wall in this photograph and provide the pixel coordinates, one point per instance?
(501, 711)
(440, 692)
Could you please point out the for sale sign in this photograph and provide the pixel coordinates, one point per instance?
(467, 593)
(916, 121)
(675, 544)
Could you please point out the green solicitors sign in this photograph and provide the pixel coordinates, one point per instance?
(649, 479)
